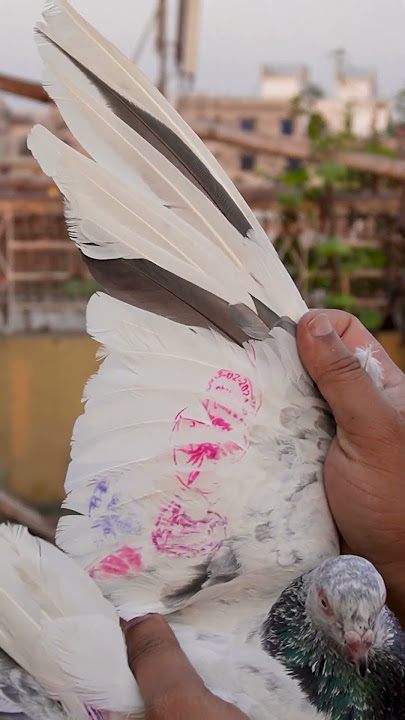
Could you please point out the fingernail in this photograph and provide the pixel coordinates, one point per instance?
(127, 624)
(320, 326)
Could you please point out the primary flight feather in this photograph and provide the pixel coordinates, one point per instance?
(195, 486)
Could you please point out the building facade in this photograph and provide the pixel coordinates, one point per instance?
(355, 106)
(270, 114)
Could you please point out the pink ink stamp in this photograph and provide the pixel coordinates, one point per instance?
(125, 561)
(231, 400)
(178, 533)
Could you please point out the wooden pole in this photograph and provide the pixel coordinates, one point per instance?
(17, 512)
(300, 148)
(161, 46)
(25, 88)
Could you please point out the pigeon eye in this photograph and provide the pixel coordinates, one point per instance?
(323, 601)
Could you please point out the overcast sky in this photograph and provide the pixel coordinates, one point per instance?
(237, 37)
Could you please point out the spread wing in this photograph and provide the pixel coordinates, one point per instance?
(196, 462)
(198, 459)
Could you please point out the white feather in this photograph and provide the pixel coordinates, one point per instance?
(56, 625)
(67, 28)
(121, 151)
(131, 458)
(371, 365)
(129, 225)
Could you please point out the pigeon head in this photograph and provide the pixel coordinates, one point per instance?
(330, 622)
(345, 600)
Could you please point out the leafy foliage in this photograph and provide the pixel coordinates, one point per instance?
(80, 288)
(332, 173)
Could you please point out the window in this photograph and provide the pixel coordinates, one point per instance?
(287, 126)
(293, 164)
(247, 161)
(247, 124)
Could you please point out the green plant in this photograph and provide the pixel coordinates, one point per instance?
(296, 177)
(80, 288)
(316, 127)
(332, 247)
(363, 258)
(372, 319)
(377, 147)
(332, 173)
(399, 105)
(340, 301)
(323, 282)
(290, 199)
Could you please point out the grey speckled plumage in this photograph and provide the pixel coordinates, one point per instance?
(26, 693)
(333, 633)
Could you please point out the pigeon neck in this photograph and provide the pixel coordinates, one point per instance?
(329, 679)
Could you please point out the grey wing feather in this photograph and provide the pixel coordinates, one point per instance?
(22, 691)
(145, 285)
(170, 145)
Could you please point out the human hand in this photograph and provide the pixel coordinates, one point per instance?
(364, 471)
(170, 687)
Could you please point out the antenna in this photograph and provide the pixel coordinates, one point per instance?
(187, 39)
(184, 57)
(162, 45)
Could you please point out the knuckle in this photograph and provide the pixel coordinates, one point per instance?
(346, 368)
(149, 639)
(353, 320)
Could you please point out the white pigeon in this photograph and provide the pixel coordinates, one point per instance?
(195, 487)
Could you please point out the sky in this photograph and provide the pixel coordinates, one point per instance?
(237, 37)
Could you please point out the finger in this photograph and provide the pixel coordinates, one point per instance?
(354, 335)
(358, 406)
(156, 659)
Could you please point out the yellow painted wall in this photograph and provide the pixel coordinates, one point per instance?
(41, 384)
(391, 342)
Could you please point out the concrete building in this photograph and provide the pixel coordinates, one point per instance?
(14, 130)
(355, 105)
(270, 114)
(283, 83)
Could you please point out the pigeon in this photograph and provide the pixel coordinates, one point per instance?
(195, 483)
(324, 624)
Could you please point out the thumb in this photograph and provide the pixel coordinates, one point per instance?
(358, 405)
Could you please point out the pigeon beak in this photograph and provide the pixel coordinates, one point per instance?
(358, 647)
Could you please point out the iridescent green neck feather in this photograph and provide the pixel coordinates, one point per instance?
(329, 679)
